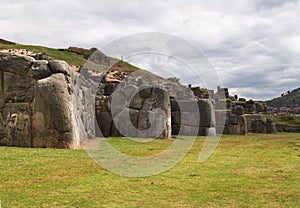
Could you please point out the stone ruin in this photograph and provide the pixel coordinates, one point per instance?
(243, 116)
(181, 114)
(41, 103)
(140, 109)
(47, 103)
(229, 119)
(192, 117)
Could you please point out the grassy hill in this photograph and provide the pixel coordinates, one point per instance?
(72, 55)
(289, 99)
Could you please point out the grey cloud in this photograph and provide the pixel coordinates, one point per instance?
(269, 4)
(253, 45)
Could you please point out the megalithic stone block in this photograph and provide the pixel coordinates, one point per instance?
(2, 97)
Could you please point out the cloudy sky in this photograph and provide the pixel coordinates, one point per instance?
(254, 45)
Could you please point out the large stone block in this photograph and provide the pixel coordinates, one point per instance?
(134, 117)
(221, 104)
(158, 124)
(158, 99)
(205, 109)
(126, 123)
(238, 110)
(53, 113)
(104, 120)
(16, 64)
(2, 98)
(144, 122)
(39, 70)
(188, 106)
(58, 66)
(228, 104)
(258, 126)
(271, 126)
(83, 93)
(234, 129)
(109, 88)
(176, 118)
(190, 118)
(136, 102)
(243, 124)
(250, 107)
(233, 119)
(145, 93)
(222, 117)
(18, 88)
(15, 125)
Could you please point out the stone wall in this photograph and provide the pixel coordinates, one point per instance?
(192, 117)
(252, 107)
(39, 102)
(147, 114)
(235, 121)
(257, 123)
(45, 103)
(287, 128)
(261, 126)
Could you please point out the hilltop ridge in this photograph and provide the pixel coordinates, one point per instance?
(290, 99)
(74, 56)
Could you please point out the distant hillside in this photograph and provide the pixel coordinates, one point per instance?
(291, 99)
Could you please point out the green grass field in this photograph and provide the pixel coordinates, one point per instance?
(256, 170)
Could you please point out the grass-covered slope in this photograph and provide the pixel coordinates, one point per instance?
(290, 99)
(245, 171)
(55, 54)
(72, 55)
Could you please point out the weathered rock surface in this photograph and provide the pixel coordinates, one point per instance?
(231, 121)
(52, 113)
(18, 88)
(287, 128)
(15, 125)
(147, 114)
(39, 70)
(15, 64)
(44, 104)
(192, 117)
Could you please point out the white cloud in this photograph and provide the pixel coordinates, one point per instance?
(254, 45)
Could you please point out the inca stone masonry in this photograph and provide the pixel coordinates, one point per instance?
(45, 103)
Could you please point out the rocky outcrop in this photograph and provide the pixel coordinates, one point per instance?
(40, 103)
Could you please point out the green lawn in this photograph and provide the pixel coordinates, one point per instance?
(245, 171)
